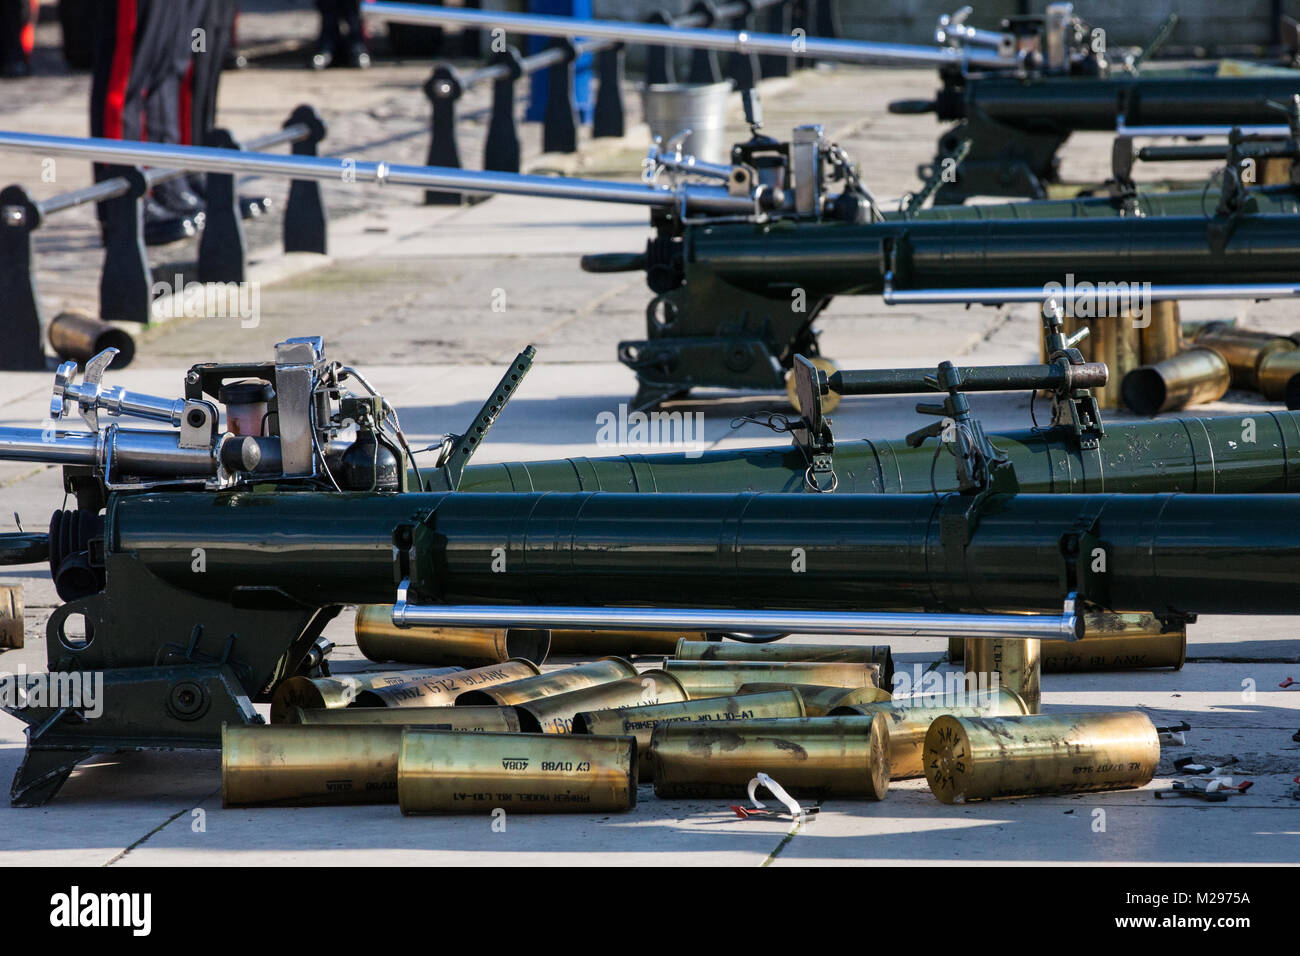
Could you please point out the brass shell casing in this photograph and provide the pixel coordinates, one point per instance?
(438, 691)
(552, 682)
(825, 757)
(341, 690)
(620, 643)
(1243, 350)
(501, 720)
(441, 772)
(910, 717)
(1115, 642)
(1193, 377)
(288, 765)
(818, 701)
(1163, 337)
(640, 721)
(985, 758)
(379, 639)
(723, 678)
(1278, 373)
(1112, 641)
(554, 714)
(781, 651)
(1017, 662)
(11, 615)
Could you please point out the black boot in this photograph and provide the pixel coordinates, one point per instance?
(177, 197)
(357, 56)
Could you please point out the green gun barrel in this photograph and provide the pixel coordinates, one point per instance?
(1162, 553)
(830, 258)
(1073, 104)
(1203, 455)
(1271, 200)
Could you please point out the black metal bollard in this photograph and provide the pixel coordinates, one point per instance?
(20, 317)
(126, 283)
(609, 117)
(501, 152)
(443, 89)
(222, 247)
(704, 63)
(560, 122)
(305, 223)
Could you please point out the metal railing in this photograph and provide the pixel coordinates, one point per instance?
(126, 283)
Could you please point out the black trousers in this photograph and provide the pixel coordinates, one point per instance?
(216, 18)
(16, 20)
(334, 13)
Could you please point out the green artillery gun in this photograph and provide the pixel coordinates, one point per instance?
(203, 562)
(1018, 121)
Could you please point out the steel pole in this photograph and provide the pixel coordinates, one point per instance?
(349, 171)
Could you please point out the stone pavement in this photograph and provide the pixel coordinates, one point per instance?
(406, 295)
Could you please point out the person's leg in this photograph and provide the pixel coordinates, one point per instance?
(179, 41)
(116, 90)
(124, 66)
(357, 53)
(216, 20)
(328, 46)
(163, 51)
(16, 37)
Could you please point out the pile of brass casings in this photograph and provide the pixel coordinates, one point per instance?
(581, 738)
(381, 640)
(815, 757)
(441, 772)
(554, 714)
(910, 718)
(985, 758)
(688, 650)
(723, 678)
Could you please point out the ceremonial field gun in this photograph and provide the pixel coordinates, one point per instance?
(203, 562)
